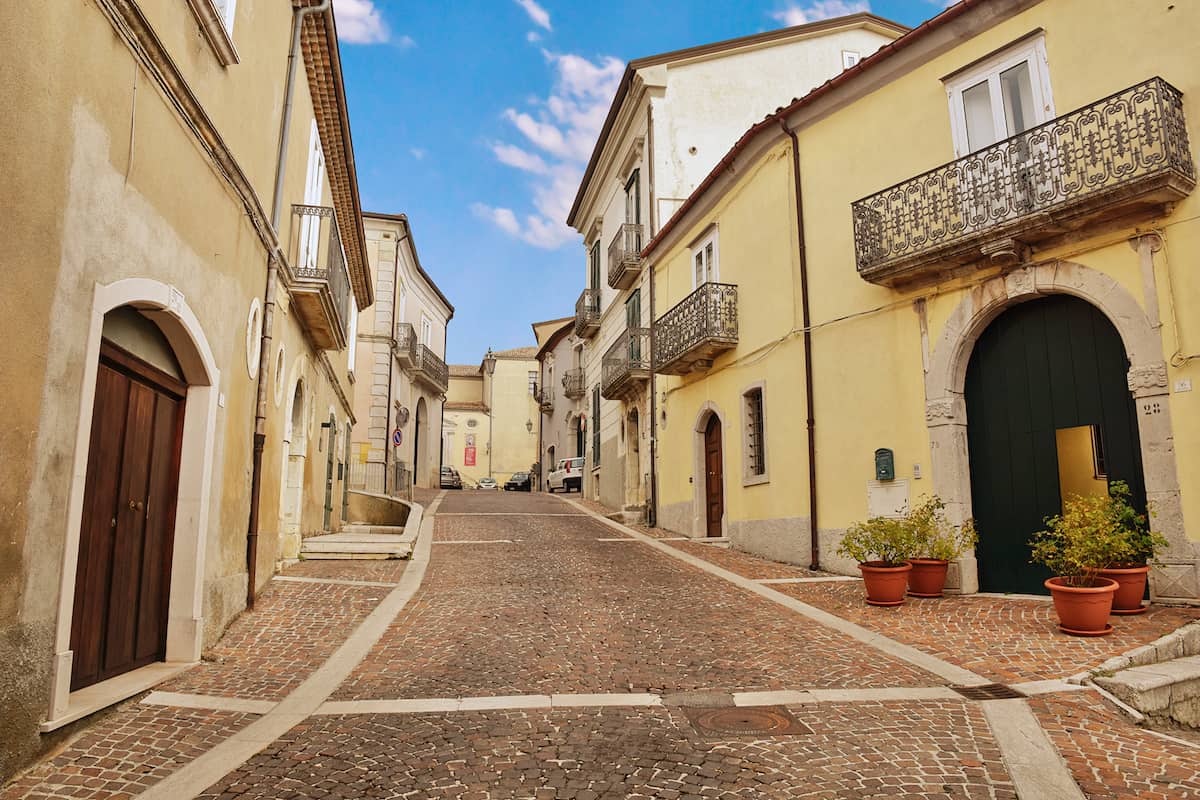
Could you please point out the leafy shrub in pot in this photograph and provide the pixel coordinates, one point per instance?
(1144, 544)
(882, 547)
(936, 542)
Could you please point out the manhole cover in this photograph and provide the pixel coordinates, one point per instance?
(747, 721)
(988, 691)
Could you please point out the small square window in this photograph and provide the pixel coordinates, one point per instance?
(850, 58)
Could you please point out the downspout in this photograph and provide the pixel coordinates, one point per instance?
(652, 512)
(806, 321)
(264, 349)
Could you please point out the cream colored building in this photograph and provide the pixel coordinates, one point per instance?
(168, 204)
(401, 368)
(988, 297)
(504, 409)
(562, 389)
(674, 116)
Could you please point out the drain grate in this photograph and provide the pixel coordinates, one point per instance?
(988, 691)
(745, 721)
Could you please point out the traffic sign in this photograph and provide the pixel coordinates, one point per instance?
(397, 437)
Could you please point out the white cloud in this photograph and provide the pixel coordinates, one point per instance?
(800, 13)
(533, 36)
(405, 42)
(539, 15)
(418, 153)
(559, 132)
(359, 22)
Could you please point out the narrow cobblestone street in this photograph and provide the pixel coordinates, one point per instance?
(546, 653)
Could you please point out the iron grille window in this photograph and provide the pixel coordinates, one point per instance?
(533, 382)
(595, 423)
(756, 448)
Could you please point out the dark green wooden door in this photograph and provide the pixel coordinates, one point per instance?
(1042, 366)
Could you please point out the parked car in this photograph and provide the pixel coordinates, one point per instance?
(486, 483)
(567, 475)
(451, 479)
(519, 482)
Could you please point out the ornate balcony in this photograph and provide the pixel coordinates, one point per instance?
(700, 326)
(320, 287)
(626, 364)
(545, 398)
(1117, 161)
(574, 383)
(625, 256)
(587, 313)
(404, 339)
(426, 366)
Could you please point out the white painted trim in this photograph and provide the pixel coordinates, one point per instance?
(253, 337)
(166, 307)
(99, 696)
(714, 267)
(748, 478)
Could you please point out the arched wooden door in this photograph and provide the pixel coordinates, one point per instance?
(1040, 373)
(123, 576)
(714, 478)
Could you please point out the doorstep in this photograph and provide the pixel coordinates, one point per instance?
(98, 696)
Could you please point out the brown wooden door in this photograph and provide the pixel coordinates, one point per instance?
(124, 567)
(714, 486)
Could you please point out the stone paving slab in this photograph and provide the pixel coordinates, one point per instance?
(563, 612)
(895, 750)
(129, 750)
(744, 564)
(293, 629)
(1112, 759)
(1003, 639)
(385, 571)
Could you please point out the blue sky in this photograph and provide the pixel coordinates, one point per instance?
(476, 118)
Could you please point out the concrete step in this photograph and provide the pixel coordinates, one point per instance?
(361, 541)
(1168, 690)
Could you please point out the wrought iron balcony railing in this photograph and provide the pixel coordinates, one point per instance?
(545, 398)
(320, 286)
(427, 366)
(404, 339)
(574, 383)
(696, 329)
(626, 364)
(1117, 160)
(587, 312)
(625, 256)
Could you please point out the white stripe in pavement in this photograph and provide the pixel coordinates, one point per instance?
(208, 702)
(1037, 770)
(339, 581)
(1048, 687)
(619, 539)
(517, 702)
(475, 541)
(816, 579)
(193, 778)
(507, 514)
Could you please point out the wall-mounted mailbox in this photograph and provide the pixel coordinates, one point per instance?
(885, 465)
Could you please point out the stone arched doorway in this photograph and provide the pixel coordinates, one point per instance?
(634, 496)
(1050, 417)
(291, 489)
(170, 340)
(420, 440)
(708, 472)
(1146, 381)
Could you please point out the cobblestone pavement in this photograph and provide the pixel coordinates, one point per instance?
(571, 605)
(1003, 639)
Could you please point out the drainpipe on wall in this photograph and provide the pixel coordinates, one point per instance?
(652, 512)
(814, 529)
(264, 350)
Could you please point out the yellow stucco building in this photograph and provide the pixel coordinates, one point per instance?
(183, 268)
(491, 419)
(945, 271)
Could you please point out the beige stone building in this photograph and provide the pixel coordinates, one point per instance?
(400, 365)
(503, 406)
(562, 385)
(182, 180)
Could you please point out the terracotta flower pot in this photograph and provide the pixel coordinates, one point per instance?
(885, 585)
(1083, 610)
(1131, 587)
(928, 577)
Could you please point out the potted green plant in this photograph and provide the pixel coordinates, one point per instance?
(936, 542)
(1144, 543)
(882, 547)
(1077, 544)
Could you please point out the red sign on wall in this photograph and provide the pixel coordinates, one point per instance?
(469, 457)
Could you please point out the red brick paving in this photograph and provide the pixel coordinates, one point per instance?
(121, 755)
(293, 629)
(744, 564)
(1003, 639)
(424, 496)
(563, 612)
(895, 750)
(1112, 759)
(381, 570)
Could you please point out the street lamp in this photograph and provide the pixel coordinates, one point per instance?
(489, 366)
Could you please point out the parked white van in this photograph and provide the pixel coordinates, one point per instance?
(568, 475)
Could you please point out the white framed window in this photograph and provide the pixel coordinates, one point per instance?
(850, 58)
(754, 435)
(427, 331)
(352, 334)
(533, 376)
(1000, 97)
(705, 259)
(227, 10)
(314, 186)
